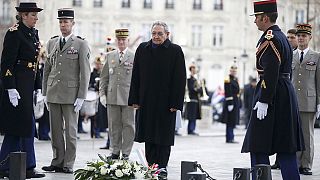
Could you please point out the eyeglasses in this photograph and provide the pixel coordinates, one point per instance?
(157, 33)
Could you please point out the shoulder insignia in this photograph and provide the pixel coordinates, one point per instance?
(14, 27)
(8, 73)
(80, 37)
(227, 80)
(269, 35)
(263, 84)
(54, 37)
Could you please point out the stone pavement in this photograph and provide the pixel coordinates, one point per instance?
(209, 149)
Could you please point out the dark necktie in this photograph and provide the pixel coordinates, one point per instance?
(121, 56)
(301, 56)
(63, 42)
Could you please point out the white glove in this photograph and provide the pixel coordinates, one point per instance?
(262, 110)
(103, 100)
(45, 102)
(39, 96)
(13, 96)
(77, 104)
(230, 108)
(318, 111)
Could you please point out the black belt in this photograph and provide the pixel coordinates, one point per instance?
(28, 64)
(281, 75)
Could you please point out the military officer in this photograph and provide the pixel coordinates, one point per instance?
(114, 88)
(306, 81)
(20, 78)
(274, 125)
(231, 106)
(65, 84)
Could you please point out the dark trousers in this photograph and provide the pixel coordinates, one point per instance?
(16, 143)
(229, 133)
(44, 126)
(191, 125)
(287, 161)
(157, 154)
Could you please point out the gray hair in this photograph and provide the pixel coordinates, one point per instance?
(160, 23)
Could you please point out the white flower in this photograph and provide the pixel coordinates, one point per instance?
(104, 170)
(136, 167)
(139, 175)
(89, 168)
(119, 173)
(126, 171)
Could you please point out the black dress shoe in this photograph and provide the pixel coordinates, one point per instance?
(67, 170)
(275, 166)
(232, 141)
(305, 171)
(4, 174)
(34, 174)
(113, 156)
(125, 157)
(82, 132)
(193, 133)
(163, 174)
(52, 168)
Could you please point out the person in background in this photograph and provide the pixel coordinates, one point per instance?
(248, 98)
(114, 91)
(20, 77)
(306, 82)
(193, 108)
(231, 108)
(65, 84)
(274, 125)
(157, 91)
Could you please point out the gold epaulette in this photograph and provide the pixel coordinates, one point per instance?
(14, 27)
(269, 35)
(227, 80)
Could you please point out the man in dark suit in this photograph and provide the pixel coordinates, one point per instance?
(157, 91)
(20, 77)
(248, 93)
(193, 108)
(274, 125)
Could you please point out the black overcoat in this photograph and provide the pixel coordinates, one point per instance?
(157, 84)
(193, 108)
(280, 130)
(231, 91)
(19, 57)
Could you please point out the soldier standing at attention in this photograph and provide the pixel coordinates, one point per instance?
(20, 77)
(231, 108)
(274, 125)
(306, 81)
(65, 84)
(114, 88)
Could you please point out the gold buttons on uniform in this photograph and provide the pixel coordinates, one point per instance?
(59, 63)
(299, 81)
(299, 74)
(58, 80)
(299, 89)
(59, 72)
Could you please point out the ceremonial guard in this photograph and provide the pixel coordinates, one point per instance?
(193, 110)
(20, 77)
(306, 81)
(114, 91)
(274, 125)
(231, 105)
(65, 84)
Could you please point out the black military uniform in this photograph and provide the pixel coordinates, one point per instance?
(193, 109)
(19, 71)
(279, 131)
(231, 117)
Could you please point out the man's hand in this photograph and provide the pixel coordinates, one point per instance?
(103, 100)
(230, 108)
(14, 97)
(46, 102)
(262, 110)
(78, 104)
(173, 109)
(135, 106)
(318, 111)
